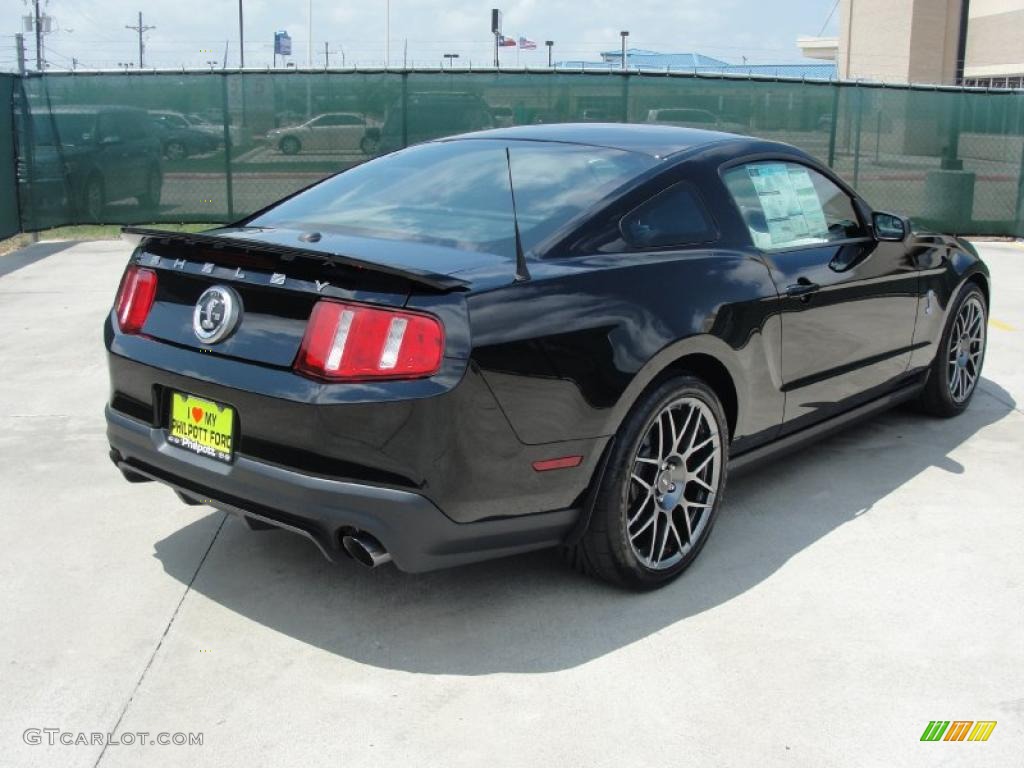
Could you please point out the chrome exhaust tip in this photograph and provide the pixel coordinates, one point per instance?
(365, 549)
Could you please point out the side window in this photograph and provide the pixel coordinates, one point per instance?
(131, 127)
(107, 126)
(675, 216)
(786, 205)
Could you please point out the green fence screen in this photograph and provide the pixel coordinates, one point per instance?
(8, 182)
(176, 147)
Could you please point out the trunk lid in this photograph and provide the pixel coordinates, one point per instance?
(278, 278)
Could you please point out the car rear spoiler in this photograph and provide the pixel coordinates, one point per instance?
(434, 280)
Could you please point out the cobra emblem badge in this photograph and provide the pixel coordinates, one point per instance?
(216, 315)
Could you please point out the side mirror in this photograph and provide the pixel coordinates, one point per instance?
(890, 227)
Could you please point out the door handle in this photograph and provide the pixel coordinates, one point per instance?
(802, 288)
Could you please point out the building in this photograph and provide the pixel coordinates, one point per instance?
(638, 59)
(995, 44)
(927, 41)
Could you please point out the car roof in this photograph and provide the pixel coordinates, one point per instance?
(89, 109)
(654, 140)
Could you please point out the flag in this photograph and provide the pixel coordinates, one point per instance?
(527, 45)
(506, 42)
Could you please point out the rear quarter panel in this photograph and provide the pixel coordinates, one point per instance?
(568, 353)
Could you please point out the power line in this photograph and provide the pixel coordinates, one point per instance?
(828, 18)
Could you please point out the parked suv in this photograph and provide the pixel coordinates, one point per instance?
(692, 118)
(181, 137)
(431, 115)
(85, 157)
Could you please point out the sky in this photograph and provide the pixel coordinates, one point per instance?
(192, 33)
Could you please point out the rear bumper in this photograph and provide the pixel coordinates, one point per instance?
(418, 535)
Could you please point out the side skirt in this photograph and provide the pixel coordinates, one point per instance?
(773, 450)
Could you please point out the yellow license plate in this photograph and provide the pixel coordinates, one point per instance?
(202, 426)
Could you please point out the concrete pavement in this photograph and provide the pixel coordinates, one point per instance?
(850, 594)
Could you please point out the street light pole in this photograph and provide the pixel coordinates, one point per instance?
(550, 44)
(309, 32)
(624, 34)
(387, 34)
(241, 38)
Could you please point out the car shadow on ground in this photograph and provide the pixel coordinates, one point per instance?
(30, 254)
(531, 613)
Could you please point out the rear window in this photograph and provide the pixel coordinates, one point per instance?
(63, 128)
(457, 193)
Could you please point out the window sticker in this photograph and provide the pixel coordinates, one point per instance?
(792, 210)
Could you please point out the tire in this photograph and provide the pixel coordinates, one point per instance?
(290, 145)
(94, 200)
(175, 150)
(955, 371)
(150, 199)
(368, 145)
(629, 542)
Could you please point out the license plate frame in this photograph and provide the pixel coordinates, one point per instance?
(202, 426)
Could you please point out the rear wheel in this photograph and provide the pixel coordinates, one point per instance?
(955, 372)
(368, 145)
(150, 199)
(94, 200)
(290, 145)
(661, 490)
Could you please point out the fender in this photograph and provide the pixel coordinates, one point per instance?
(947, 263)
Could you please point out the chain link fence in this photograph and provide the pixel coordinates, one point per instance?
(9, 223)
(211, 147)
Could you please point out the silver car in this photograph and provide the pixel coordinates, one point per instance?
(332, 131)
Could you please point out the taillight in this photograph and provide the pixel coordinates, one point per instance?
(354, 341)
(135, 298)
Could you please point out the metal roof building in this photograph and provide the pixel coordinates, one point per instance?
(639, 59)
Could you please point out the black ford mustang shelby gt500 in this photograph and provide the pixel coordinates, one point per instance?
(530, 337)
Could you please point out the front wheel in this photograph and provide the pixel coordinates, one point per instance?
(953, 377)
(175, 150)
(661, 489)
(290, 145)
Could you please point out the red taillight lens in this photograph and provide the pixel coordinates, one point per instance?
(354, 341)
(135, 298)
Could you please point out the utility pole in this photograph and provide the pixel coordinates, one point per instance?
(387, 33)
(309, 31)
(19, 42)
(327, 56)
(241, 38)
(39, 38)
(140, 29)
